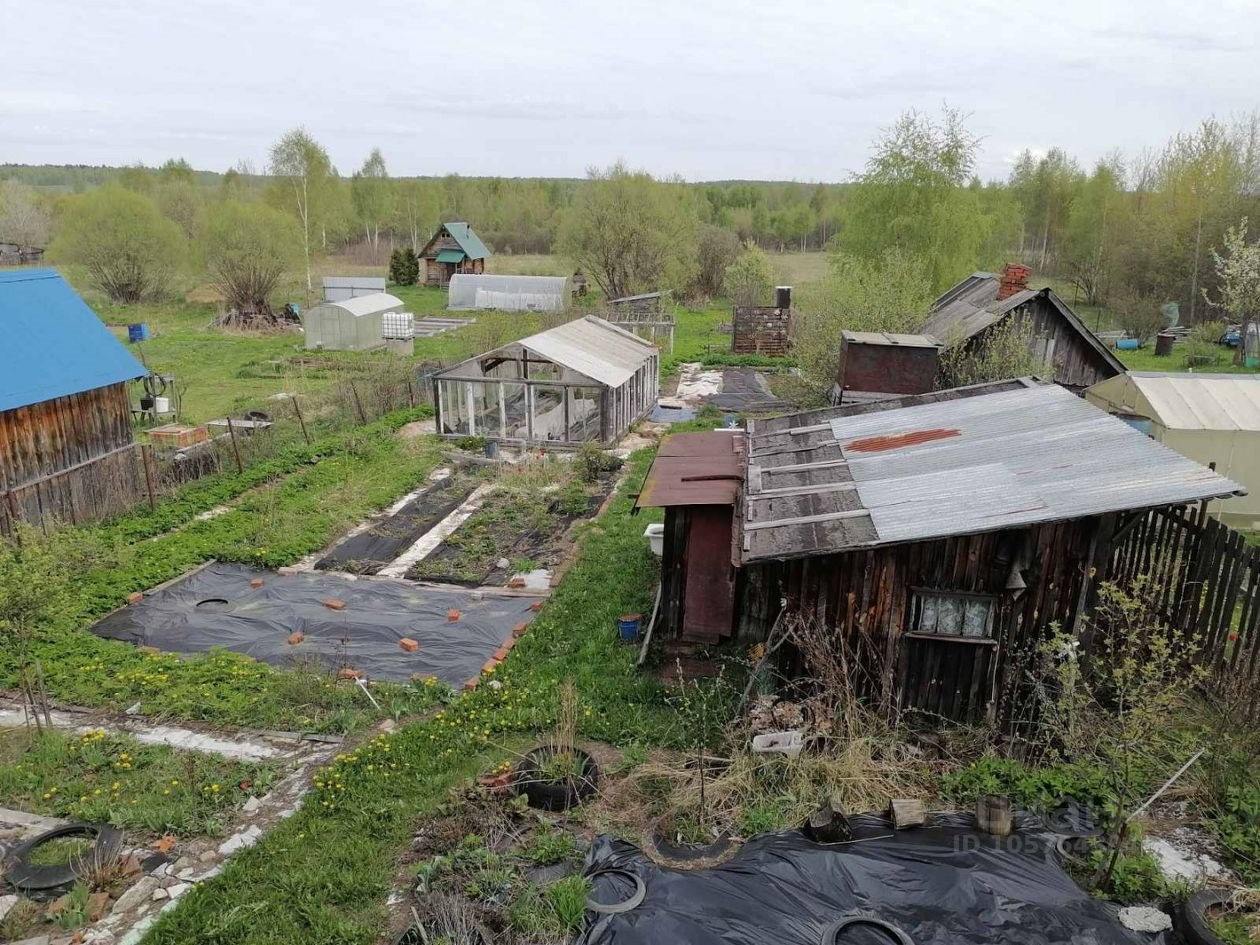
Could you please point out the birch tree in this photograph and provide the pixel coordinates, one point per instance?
(303, 164)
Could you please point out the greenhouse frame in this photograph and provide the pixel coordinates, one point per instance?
(507, 293)
(584, 382)
(354, 324)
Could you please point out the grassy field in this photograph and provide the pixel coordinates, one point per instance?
(219, 372)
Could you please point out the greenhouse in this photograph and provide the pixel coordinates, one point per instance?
(584, 382)
(508, 293)
(353, 324)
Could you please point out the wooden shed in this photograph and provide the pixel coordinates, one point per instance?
(939, 537)
(696, 479)
(877, 365)
(585, 381)
(970, 310)
(66, 448)
(454, 248)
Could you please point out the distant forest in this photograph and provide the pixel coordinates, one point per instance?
(1142, 226)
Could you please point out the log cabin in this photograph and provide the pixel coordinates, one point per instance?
(67, 452)
(454, 248)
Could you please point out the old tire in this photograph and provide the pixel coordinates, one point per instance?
(24, 876)
(832, 934)
(1190, 917)
(542, 794)
(633, 901)
(685, 853)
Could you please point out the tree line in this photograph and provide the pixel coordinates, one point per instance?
(1132, 231)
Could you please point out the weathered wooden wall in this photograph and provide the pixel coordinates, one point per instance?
(866, 597)
(1074, 361)
(436, 273)
(757, 329)
(70, 459)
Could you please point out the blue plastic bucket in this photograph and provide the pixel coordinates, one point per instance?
(628, 627)
(1128, 344)
(138, 332)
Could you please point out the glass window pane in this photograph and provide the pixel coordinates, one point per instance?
(950, 620)
(976, 618)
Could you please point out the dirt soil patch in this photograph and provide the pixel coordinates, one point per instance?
(528, 531)
(368, 551)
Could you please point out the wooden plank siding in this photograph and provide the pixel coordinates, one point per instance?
(867, 598)
(69, 459)
(1074, 363)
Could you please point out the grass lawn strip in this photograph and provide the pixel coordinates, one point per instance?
(322, 876)
(112, 778)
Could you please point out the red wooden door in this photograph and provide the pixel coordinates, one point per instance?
(710, 581)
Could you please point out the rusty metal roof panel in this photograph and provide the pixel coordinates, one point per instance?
(695, 469)
(960, 466)
(1009, 459)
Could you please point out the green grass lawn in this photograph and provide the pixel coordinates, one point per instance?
(111, 778)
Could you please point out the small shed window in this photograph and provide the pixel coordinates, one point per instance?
(953, 613)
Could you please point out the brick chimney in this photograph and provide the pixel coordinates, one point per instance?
(1014, 279)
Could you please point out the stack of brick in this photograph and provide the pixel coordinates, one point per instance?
(1014, 279)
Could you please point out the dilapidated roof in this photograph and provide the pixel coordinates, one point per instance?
(973, 305)
(695, 469)
(891, 339)
(957, 466)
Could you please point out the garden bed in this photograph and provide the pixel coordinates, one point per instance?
(367, 551)
(525, 529)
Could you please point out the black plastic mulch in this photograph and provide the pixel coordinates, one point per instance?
(745, 390)
(371, 550)
(945, 884)
(217, 607)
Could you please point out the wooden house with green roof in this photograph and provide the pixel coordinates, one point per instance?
(454, 248)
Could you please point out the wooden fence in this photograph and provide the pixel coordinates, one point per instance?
(1205, 579)
(85, 492)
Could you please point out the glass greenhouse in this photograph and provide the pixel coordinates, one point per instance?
(584, 382)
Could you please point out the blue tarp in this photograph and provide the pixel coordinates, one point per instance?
(52, 344)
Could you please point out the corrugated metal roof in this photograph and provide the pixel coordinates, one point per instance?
(362, 305)
(961, 466)
(54, 344)
(451, 256)
(468, 240)
(1202, 401)
(890, 338)
(695, 469)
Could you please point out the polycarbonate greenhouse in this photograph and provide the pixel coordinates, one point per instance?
(355, 324)
(584, 382)
(508, 293)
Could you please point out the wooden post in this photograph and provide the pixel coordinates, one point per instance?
(146, 459)
(411, 391)
(236, 451)
(358, 404)
(302, 423)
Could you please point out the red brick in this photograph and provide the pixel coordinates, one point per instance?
(409, 644)
(135, 597)
(452, 615)
(519, 629)
(349, 672)
(470, 685)
(295, 638)
(334, 604)
(257, 583)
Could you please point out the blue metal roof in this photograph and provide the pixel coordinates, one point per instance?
(52, 344)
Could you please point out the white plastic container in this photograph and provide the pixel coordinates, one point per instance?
(788, 744)
(655, 534)
(161, 405)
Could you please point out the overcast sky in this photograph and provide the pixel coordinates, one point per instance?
(709, 89)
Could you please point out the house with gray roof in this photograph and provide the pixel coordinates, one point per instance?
(969, 312)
